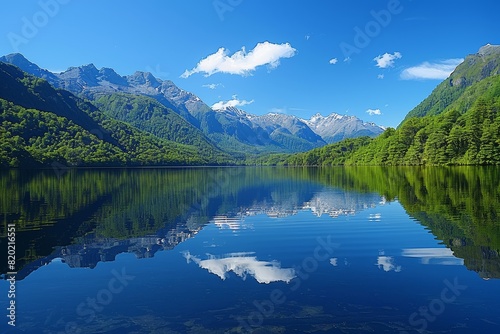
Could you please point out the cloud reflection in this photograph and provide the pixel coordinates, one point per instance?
(387, 264)
(443, 256)
(243, 264)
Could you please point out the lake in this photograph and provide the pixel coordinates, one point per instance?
(252, 250)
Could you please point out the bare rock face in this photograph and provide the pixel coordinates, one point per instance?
(458, 82)
(489, 54)
(488, 49)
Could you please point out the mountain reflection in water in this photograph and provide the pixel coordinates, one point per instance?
(89, 216)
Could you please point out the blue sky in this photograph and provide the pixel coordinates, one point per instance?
(373, 59)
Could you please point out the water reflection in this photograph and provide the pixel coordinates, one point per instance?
(243, 264)
(442, 256)
(386, 263)
(90, 216)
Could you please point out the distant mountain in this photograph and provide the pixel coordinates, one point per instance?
(476, 67)
(89, 82)
(40, 125)
(335, 127)
(147, 114)
(24, 64)
(288, 131)
(275, 132)
(234, 129)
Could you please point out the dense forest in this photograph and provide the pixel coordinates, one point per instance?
(329, 155)
(38, 138)
(450, 138)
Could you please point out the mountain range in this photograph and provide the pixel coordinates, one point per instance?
(230, 130)
(86, 116)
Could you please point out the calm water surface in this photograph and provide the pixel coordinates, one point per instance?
(263, 250)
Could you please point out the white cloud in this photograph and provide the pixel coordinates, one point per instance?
(387, 264)
(347, 60)
(221, 105)
(243, 264)
(56, 71)
(333, 61)
(278, 110)
(372, 112)
(307, 37)
(426, 70)
(333, 261)
(212, 86)
(241, 62)
(380, 76)
(387, 59)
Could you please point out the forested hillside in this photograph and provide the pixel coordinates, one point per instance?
(476, 67)
(462, 135)
(147, 114)
(329, 155)
(41, 126)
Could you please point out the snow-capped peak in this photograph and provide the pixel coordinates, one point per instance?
(234, 111)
